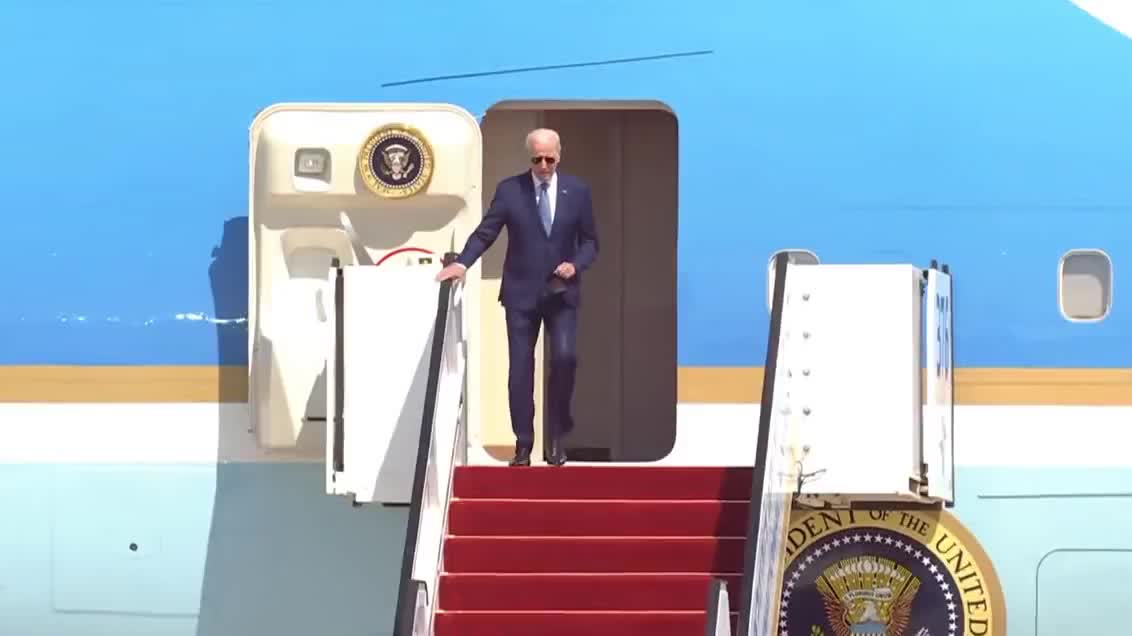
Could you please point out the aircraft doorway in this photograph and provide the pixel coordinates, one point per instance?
(625, 395)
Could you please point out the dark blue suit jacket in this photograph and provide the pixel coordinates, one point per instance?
(532, 256)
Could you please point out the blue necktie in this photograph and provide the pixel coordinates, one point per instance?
(544, 206)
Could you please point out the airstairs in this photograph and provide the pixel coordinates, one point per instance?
(620, 549)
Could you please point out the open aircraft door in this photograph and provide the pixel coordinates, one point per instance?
(352, 209)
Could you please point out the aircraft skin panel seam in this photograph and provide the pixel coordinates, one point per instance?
(549, 67)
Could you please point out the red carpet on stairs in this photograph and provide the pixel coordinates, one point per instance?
(590, 550)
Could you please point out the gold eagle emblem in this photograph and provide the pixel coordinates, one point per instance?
(868, 596)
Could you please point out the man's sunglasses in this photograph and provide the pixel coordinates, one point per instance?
(549, 160)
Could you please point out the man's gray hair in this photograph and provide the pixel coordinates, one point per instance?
(544, 134)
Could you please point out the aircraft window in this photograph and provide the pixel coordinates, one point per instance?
(1084, 285)
(796, 257)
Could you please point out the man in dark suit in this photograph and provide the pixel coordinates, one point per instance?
(551, 240)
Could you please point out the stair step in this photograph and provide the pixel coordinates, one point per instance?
(603, 482)
(648, 623)
(464, 554)
(559, 592)
(486, 517)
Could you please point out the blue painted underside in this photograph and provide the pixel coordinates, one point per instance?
(193, 550)
(991, 135)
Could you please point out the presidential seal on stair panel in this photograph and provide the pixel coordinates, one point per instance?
(887, 573)
(396, 161)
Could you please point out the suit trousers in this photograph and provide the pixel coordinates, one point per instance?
(561, 320)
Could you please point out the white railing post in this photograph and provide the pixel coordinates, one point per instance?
(445, 453)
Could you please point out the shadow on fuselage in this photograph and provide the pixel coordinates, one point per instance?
(283, 558)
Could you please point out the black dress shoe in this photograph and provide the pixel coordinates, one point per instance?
(522, 457)
(557, 455)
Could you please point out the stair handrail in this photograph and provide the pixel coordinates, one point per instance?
(754, 617)
(440, 450)
(718, 621)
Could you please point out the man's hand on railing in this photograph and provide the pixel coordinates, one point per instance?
(453, 271)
